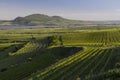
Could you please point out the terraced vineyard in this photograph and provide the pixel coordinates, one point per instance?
(60, 54)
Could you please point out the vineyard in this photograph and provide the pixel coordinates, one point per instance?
(60, 54)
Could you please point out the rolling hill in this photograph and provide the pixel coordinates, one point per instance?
(60, 54)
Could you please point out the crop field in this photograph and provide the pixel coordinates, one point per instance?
(60, 54)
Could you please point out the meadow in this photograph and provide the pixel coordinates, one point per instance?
(60, 54)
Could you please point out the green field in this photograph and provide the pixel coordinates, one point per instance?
(60, 54)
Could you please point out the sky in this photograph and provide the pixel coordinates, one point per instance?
(71, 9)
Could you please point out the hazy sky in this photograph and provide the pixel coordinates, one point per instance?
(73, 9)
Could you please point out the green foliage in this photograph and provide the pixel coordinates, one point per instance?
(57, 40)
(59, 54)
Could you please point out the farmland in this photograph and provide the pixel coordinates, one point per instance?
(60, 54)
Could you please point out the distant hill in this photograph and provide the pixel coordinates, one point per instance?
(41, 19)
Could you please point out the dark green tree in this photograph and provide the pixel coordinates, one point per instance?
(61, 41)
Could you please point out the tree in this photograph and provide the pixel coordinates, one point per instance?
(61, 41)
(56, 40)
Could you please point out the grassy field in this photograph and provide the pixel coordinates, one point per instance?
(60, 54)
